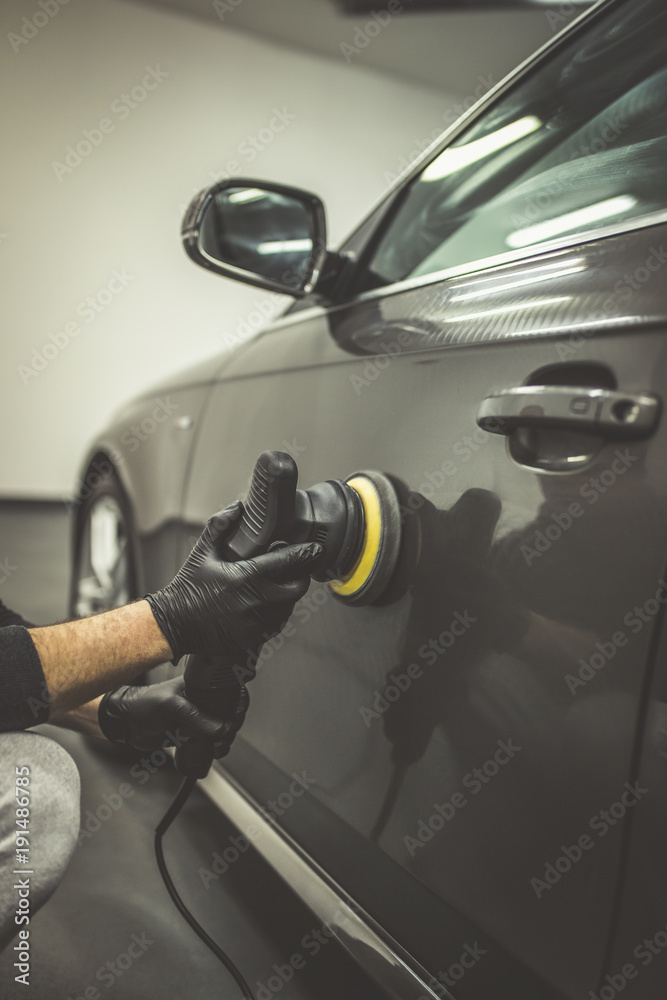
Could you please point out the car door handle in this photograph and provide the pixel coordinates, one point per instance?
(604, 412)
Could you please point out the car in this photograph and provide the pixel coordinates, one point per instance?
(465, 780)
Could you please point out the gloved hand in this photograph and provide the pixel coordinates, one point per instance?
(212, 606)
(150, 718)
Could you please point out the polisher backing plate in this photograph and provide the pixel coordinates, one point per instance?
(372, 572)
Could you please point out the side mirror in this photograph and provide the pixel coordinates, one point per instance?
(264, 234)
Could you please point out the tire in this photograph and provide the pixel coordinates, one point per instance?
(104, 558)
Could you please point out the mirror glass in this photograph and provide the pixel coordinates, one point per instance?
(264, 232)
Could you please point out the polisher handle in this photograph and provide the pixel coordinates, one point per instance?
(212, 685)
(268, 511)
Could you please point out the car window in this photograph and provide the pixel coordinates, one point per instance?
(580, 143)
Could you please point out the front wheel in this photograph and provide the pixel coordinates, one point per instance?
(104, 565)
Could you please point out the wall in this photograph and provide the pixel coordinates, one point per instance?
(98, 296)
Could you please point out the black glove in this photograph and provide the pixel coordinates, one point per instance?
(212, 606)
(160, 715)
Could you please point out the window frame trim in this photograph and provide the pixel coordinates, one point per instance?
(541, 251)
(510, 257)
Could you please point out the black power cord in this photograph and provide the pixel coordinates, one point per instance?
(179, 801)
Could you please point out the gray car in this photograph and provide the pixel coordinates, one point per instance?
(466, 781)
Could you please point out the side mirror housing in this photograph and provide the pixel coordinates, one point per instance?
(267, 235)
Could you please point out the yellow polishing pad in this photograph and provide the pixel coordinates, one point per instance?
(363, 568)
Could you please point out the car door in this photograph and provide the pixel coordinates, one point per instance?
(467, 752)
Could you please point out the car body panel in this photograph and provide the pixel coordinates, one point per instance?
(411, 415)
(466, 758)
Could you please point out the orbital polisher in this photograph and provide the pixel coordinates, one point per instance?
(357, 522)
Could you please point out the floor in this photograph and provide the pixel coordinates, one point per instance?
(112, 893)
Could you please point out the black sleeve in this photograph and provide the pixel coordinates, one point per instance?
(23, 692)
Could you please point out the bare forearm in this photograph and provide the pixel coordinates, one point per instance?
(83, 659)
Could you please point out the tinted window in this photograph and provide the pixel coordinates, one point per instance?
(580, 143)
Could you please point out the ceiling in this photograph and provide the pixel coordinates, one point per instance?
(450, 51)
